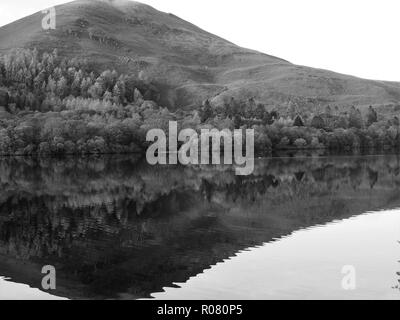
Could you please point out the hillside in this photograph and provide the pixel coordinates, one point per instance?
(188, 63)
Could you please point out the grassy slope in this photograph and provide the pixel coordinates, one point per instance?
(190, 63)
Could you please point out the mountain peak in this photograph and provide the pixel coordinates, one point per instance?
(188, 63)
(121, 4)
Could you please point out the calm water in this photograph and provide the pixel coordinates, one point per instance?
(116, 228)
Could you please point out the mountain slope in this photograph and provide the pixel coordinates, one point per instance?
(190, 64)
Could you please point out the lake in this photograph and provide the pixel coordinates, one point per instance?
(314, 227)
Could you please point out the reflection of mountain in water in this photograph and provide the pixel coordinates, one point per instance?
(116, 228)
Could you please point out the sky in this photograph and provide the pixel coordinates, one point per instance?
(356, 37)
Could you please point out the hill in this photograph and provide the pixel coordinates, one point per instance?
(188, 63)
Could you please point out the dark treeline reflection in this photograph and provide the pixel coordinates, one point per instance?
(116, 228)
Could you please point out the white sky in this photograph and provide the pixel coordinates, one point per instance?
(357, 37)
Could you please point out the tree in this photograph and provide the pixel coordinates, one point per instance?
(250, 109)
(298, 121)
(328, 110)
(76, 84)
(4, 98)
(234, 107)
(261, 140)
(206, 112)
(51, 85)
(355, 119)
(315, 143)
(300, 143)
(341, 122)
(260, 111)
(137, 96)
(96, 91)
(318, 122)
(267, 119)
(119, 92)
(284, 142)
(237, 121)
(274, 115)
(107, 96)
(372, 116)
(62, 87)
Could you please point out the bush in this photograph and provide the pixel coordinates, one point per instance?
(300, 143)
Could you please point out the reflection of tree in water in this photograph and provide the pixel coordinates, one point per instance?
(373, 177)
(117, 225)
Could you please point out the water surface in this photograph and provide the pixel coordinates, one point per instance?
(309, 265)
(117, 228)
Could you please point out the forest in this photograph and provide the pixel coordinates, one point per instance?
(55, 105)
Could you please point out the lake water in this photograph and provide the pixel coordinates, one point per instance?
(116, 228)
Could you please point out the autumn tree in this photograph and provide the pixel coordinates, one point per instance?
(355, 118)
(372, 116)
(298, 121)
(206, 111)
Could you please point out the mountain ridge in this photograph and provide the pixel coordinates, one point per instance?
(188, 63)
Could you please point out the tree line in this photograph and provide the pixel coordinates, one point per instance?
(294, 128)
(55, 105)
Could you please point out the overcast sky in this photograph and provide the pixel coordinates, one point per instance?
(358, 37)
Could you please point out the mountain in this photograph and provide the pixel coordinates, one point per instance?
(188, 63)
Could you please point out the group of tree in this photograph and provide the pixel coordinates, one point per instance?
(241, 112)
(65, 106)
(41, 82)
(330, 129)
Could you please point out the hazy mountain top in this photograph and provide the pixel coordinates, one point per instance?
(189, 63)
